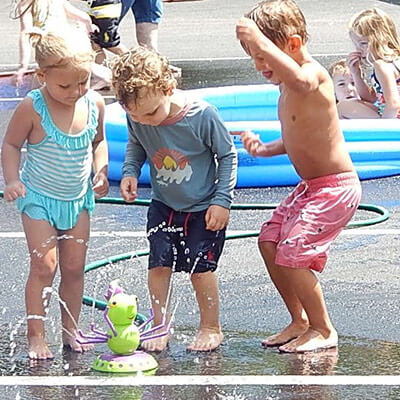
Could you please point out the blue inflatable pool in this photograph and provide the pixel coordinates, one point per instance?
(374, 145)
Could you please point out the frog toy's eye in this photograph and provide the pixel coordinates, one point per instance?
(113, 304)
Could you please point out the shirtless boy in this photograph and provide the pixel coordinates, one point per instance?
(295, 241)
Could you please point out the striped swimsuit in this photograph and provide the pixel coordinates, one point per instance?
(57, 170)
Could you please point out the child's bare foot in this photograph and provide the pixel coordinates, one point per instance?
(292, 331)
(206, 340)
(70, 341)
(311, 340)
(38, 349)
(157, 344)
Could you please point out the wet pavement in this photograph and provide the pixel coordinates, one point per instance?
(361, 282)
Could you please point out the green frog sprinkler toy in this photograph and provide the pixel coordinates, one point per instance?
(124, 336)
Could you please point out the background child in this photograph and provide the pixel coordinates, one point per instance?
(345, 90)
(374, 35)
(193, 172)
(49, 15)
(62, 124)
(106, 15)
(53, 16)
(295, 241)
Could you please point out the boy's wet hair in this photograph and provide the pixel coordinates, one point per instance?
(140, 68)
(55, 51)
(339, 67)
(278, 20)
(380, 30)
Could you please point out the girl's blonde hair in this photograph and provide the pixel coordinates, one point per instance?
(55, 51)
(278, 20)
(380, 30)
(140, 68)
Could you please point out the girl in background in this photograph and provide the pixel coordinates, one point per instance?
(48, 15)
(377, 43)
(62, 123)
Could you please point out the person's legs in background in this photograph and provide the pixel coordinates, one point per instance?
(148, 14)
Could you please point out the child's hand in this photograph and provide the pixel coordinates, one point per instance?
(247, 31)
(217, 217)
(14, 190)
(128, 188)
(251, 143)
(353, 61)
(100, 184)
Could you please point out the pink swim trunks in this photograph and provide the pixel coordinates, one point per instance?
(304, 225)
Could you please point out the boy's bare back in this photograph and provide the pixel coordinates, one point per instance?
(311, 133)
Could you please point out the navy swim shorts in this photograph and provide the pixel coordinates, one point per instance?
(180, 240)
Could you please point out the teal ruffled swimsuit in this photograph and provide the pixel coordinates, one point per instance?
(57, 170)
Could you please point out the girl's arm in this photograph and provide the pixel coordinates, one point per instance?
(261, 48)
(17, 133)
(365, 92)
(385, 75)
(100, 153)
(25, 48)
(78, 15)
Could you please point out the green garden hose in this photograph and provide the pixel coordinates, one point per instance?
(383, 215)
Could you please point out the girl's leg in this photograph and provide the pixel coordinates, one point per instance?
(43, 266)
(159, 279)
(299, 323)
(209, 336)
(72, 255)
(320, 333)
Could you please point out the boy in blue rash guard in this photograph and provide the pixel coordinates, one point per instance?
(193, 172)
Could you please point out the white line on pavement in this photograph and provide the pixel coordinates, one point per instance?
(202, 380)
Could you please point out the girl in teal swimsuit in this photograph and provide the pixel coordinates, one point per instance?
(377, 43)
(62, 123)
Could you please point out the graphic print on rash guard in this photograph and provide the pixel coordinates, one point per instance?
(172, 166)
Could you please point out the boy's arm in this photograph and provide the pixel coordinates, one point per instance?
(100, 152)
(17, 133)
(302, 79)
(257, 148)
(385, 76)
(222, 146)
(135, 155)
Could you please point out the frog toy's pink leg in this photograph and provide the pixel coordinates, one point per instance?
(146, 335)
(148, 320)
(99, 336)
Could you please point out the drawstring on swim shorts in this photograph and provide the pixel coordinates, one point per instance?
(185, 223)
(301, 183)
